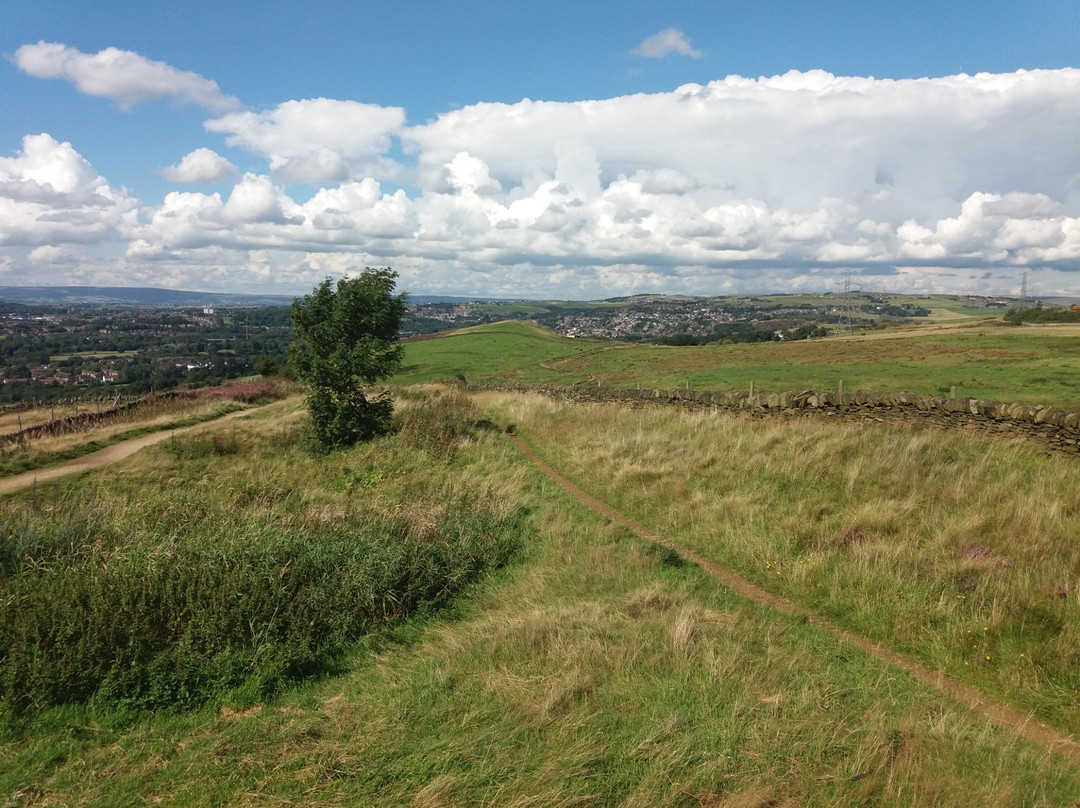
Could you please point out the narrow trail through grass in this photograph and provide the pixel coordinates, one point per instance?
(102, 457)
(1014, 720)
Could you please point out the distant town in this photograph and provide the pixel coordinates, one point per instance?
(98, 346)
(690, 320)
(48, 351)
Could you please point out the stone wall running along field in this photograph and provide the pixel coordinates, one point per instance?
(1050, 426)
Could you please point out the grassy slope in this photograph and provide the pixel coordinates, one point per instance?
(1008, 364)
(953, 548)
(506, 351)
(12, 420)
(597, 673)
(985, 361)
(91, 355)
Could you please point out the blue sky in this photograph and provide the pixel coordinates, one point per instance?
(860, 136)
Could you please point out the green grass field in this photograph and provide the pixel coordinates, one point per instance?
(991, 362)
(949, 547)
(506, 351)
(53, 450)
(92, 355)
(152, 415)
(594, 669)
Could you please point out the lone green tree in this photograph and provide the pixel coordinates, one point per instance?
(345, 339)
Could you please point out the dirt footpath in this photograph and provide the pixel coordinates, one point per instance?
(1014, 720)
(102, 457)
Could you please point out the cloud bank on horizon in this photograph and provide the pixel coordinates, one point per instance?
(958, 183)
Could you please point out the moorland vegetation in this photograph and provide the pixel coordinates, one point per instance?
(164, 589)
(47, 435)
(1039, 315)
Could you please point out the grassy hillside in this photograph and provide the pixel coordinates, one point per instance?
(161, 590)
(952, 548)
(506, 351)
(1031, 365)
(594, 669)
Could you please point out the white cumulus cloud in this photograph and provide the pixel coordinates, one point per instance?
(49, 195)
(203, 166)
(896, 149)
(666, 42)
(317, 139)
(50, 254)
(124, 76)
(740, 184)
(255, 199)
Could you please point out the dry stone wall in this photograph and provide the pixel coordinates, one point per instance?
(1049, 426)
(89, 419)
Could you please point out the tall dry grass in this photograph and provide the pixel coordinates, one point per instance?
(13, 419)
(950, 546)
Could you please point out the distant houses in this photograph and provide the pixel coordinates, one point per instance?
(49, 375)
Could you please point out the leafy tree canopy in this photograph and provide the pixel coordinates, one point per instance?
(346, 339)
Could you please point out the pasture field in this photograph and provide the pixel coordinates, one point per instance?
(92, 355)
(586, 668)
(508, 351)
(987, 361)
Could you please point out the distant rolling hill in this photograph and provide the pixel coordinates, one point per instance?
(149, 296)
(991, 361)
(133, 296)
(510, 350)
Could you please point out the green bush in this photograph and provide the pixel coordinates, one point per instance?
(439, 423)
(1041, 315)
(168, 621)
(202, 446)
